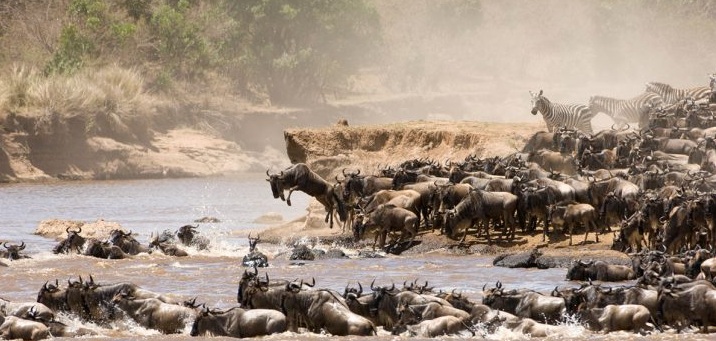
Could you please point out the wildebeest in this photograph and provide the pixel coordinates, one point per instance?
(102, 249)
(93, 301)
(417, 325)
(189, 236)
(254, 258)
(12, 251)
(525, 303)
(24, 309)
(301, 178)
(388, 218)
(237, 322)
(53, 296)
(599, 271)
(540, 140)
(554, 161)
(386, 300)
(323, 309)
(155, 314)
(126, 242)
(167, 247)
(73, 243)
(482, 206)
(617, 317)
(572, 214)
(685, 304)
(12, 327)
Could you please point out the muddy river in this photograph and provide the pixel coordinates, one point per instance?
(150, 206)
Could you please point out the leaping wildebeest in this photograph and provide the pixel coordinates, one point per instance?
(299, 177)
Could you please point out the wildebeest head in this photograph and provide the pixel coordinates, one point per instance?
(489, 295)
(52, 296)
(203, 324)
(186, 234)
(352, 183)
(73, 242)
(276, 183)
(359, 226)
(407, 315)
(253, 242)
(380, 294)
(353, 293)
(579, 270)
(13, 250)
(246, 279)
(403, 176)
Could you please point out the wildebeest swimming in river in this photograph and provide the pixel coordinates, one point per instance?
(254, 258)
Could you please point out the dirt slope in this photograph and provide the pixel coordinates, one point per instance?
(328, 150)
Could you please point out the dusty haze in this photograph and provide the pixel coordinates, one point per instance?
(498, 50)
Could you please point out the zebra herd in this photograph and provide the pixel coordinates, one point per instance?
(657, 97)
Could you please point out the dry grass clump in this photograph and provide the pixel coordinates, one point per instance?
(16, 87)
(107, 100)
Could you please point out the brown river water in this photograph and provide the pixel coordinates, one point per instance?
(151, 206)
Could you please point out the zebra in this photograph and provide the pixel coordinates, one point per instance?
(625, 111)
(672, 95)
(569, 116)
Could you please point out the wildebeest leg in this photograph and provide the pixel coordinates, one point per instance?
(593, 224)
(571, 229)
(587, 226)
(329, 217)
(290, 191)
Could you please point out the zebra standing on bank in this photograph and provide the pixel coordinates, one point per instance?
(626, 111)
(570, 116)
(670, 95)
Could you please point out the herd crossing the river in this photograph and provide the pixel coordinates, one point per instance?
(653, 187)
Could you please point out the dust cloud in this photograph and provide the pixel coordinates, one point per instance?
(494, 52)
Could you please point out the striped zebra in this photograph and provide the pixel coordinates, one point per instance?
(671, 95)
(625, 111)
(569, 116)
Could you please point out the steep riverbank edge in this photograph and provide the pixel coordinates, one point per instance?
(330, 150)
(191, 139)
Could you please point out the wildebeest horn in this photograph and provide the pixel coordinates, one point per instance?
(22, 245)
(344, 173)
(393, 287)
(498, 284)
(484, 286)
(360, 289)
(44, 286)
(5, 245)
(371, 285)
(267, 173)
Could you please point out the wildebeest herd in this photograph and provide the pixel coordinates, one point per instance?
(651, 187)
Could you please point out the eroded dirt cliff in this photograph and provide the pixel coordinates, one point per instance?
(328, 150)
